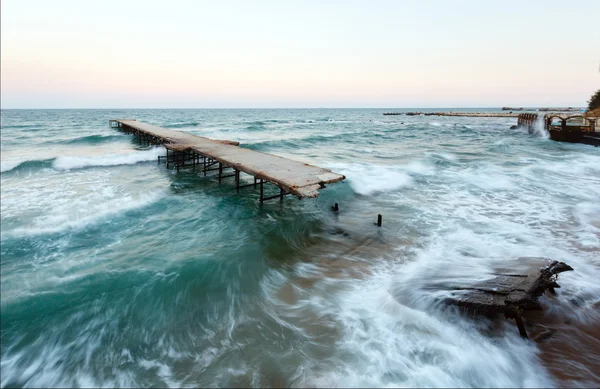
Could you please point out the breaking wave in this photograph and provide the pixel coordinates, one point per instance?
(95, 139)
(74, 217)
(78, 162)
(182, 125)
(18, 166)
(68, 162)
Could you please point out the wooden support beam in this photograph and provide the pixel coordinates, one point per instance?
(521, 326)
(261, 191)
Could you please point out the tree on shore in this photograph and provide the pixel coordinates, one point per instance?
(594, 102)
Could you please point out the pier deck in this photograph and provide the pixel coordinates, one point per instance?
(292, 177)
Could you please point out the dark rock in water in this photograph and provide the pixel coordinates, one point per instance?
(514, 127)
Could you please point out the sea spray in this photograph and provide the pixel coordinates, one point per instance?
(539, 128)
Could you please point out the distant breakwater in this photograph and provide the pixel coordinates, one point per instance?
(466, 114)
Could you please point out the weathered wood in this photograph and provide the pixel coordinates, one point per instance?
(510, 290)
(297, 178)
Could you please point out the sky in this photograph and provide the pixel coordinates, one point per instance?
(298, 54)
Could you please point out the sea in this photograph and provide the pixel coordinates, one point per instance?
(117, 271)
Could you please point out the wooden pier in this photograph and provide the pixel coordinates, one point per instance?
(197, 152)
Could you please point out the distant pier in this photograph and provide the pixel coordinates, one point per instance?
(463, 114)
(197, 152)
(579, 128)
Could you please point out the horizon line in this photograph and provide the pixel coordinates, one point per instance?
(225, 108)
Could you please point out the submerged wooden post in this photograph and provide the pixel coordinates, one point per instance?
(379, 217)
(237, 180)
(521, 326)
(220, 171)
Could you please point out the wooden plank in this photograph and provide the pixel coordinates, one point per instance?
(297, 178)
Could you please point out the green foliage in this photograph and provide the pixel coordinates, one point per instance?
(594, 101)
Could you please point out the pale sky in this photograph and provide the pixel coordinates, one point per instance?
(253, 54)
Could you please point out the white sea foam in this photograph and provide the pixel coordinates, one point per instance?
(367, 179)
(539, 128)
(77, 162)
(81, 213)
(385, 341)
(59, 201)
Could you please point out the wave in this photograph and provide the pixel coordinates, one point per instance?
(369, 179)
(73, 218)
(276, 121)
(68, 162)
(76, 162)
(95, 139)
(182, 125)
(19, 166)
(19, 126)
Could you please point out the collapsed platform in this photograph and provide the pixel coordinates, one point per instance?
(514, 289)
(292, 177)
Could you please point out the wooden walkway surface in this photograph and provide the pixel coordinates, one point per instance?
(513, 289)
(297, 178)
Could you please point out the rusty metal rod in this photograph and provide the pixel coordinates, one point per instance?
(275, 196)
(245, 186)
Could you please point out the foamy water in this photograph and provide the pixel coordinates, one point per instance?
(119, 272)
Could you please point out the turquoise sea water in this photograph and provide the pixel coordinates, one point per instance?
(117, 271)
